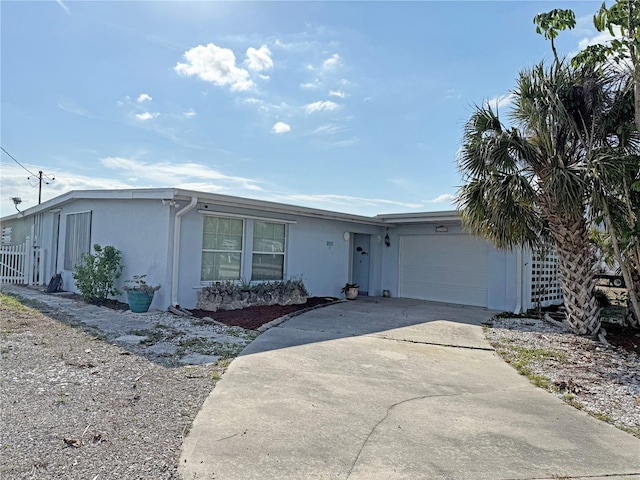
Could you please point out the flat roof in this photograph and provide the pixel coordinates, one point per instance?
(171, 193)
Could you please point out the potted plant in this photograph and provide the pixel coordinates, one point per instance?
(350, 290)
(139, 293)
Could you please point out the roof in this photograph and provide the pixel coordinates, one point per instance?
(232, 201)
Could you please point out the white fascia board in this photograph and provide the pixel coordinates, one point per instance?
(123, 194)
(449, 216)
(273, 207)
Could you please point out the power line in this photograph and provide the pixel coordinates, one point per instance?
(12, 158)
(38, 176)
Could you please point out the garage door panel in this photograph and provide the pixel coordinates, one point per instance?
(445, 268)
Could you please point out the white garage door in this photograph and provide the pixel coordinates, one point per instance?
(444, 268)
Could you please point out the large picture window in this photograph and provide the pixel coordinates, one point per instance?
(77, 239)
(221, 249)
(268, 251)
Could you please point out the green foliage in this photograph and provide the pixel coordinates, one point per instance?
(96, 275)
(139, 284)
(279, 287)
(347, 286)
(550, 23)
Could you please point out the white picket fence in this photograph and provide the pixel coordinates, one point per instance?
(21, 264)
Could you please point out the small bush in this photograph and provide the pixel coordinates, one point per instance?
(96, 275)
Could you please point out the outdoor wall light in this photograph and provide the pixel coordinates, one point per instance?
(387, 242)
(442, 229)
(17, 201)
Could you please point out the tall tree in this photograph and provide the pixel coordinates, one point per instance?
(530, 180)
(613, 145)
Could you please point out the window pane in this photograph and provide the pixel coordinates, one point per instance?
(222, 234)
(77, 239)
(267, 267)
(218, 266)
(268, 237)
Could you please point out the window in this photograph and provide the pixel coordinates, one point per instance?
(77, 239)
(268, 251)
(221, 249)
(6, 235)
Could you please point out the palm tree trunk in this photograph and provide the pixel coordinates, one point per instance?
(577, 274)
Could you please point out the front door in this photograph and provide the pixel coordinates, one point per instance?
(360, 266)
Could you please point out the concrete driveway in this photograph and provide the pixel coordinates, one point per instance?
(392, 389)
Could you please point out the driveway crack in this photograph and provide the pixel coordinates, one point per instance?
(386, 415)
(437, 344)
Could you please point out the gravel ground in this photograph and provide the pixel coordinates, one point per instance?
(601, 380)
(76, 407)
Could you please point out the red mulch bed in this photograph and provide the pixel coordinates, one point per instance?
(252, 318)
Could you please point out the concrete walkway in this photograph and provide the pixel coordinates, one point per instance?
(392, 389)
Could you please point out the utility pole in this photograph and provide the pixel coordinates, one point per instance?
(39, 186)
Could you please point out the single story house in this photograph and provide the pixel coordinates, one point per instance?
(185, 240)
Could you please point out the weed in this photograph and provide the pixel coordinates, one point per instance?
(62, 398)
(223, 363)
(205, 346)
(12, 302)
(602, 416)
(215, 376)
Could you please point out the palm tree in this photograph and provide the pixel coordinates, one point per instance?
(616, 169)
(529, 182)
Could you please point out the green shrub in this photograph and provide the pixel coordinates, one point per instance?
(96, 275)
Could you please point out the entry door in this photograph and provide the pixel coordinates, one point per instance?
(360, 267)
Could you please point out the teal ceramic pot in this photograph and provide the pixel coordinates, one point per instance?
(139, 302)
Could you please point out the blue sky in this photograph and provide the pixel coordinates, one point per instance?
(355, 107)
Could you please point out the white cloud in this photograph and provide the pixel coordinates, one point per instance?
(337, 93)
(15, 184)
(501, 101)
(259, 59)
(65, 8)
(332, 62)
(166, 173)
(310, 85)
(328, 129)
(144, 97)
(319, 106)
(146, 115)
(215, 65)
(445, 198)
(72, 108)
(452, 94)
(190, 113)
(281, 127)
(344, 202)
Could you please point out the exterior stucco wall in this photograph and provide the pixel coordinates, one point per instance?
(139, 228)
(316, 251)
(21, 228)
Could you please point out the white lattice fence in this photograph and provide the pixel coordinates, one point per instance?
(544, 288)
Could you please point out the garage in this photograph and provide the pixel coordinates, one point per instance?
(449, 268)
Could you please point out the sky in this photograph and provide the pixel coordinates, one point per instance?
(355, 107)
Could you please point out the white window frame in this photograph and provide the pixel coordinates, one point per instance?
(77, 239)
(260, 252)
(211, 250)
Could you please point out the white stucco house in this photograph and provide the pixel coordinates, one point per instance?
(184, 240)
